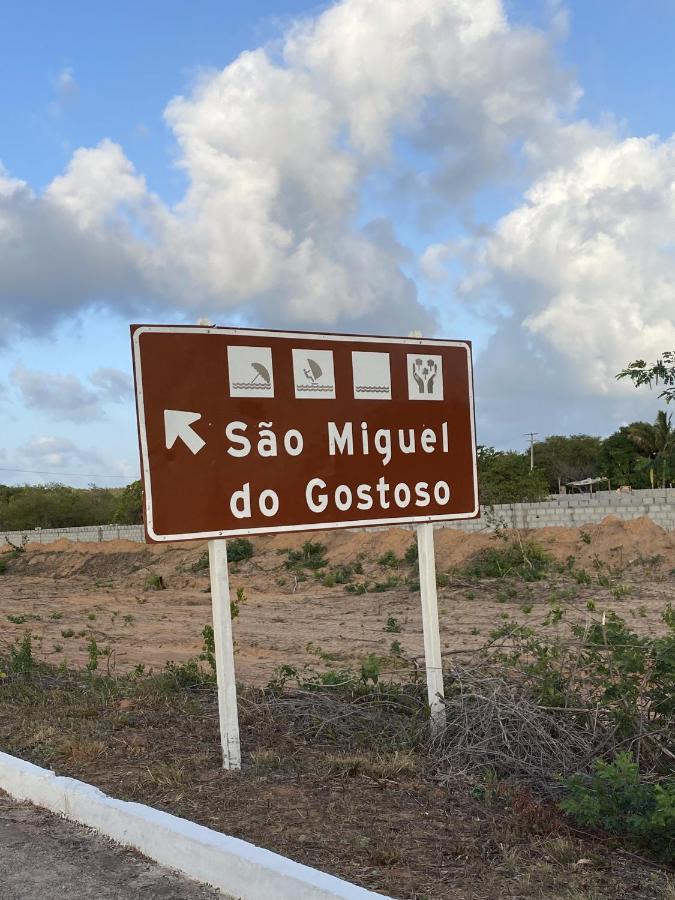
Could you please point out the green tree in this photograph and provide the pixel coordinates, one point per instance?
(129, 507)
(660, 372)
(620, 459)
(505, 477)
(564, 459)
(54, 506)
(656, 443)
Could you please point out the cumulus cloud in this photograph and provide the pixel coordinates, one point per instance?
(57, 256)
(582, 278)
(434, 97)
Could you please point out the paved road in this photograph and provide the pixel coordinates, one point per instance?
(43, 857)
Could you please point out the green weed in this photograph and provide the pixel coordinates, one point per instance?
(21, 655)
(392, 626)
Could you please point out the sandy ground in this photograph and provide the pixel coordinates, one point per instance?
(66, 593)
(44, 856)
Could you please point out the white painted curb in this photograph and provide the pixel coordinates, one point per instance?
(241, 870)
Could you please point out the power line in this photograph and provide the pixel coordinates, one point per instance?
(67, 474)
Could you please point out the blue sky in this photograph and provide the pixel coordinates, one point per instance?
(75, 74)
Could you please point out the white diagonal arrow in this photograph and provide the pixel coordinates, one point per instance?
(177, 425)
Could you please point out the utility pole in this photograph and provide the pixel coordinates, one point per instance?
(531, 435)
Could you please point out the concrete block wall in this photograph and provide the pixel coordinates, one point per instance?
(569, 510)
(573, 511)
(85, 534)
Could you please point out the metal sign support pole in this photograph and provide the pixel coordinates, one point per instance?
(430, 626)
(224, 652)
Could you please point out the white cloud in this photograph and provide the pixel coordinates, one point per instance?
(113, 384)
(65, 82)
(66, 91)
(65, 398)
(584, 275)
(49, 452)
(276, 153)
(98, 185)
(61, 397)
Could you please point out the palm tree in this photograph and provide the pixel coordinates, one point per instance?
(656, 441)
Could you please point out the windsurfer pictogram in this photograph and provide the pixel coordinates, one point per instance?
(313, 373)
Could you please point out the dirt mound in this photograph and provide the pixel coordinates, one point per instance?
(63, 563)
(614, 542)
(617, 542)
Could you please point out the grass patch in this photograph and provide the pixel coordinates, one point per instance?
(154, 583)
(23, 618)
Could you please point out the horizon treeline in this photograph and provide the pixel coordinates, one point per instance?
(29, 506)
(639, 455)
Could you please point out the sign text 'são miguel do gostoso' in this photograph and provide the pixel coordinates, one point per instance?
(257, 431)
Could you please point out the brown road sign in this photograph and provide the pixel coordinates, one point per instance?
(246, 431)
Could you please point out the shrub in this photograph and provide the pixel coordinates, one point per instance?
(202, 563)
(525, 559)
(614, 797)
(411, 555)
(343, 574)
(3, 566)
(356, 588)
(310, 556)
(389, 559)
(239, 549)
(154, 583)
(379, 587)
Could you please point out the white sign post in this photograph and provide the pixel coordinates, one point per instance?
(224, 653)
(430, 626)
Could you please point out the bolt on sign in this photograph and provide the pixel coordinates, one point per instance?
(245, 431)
